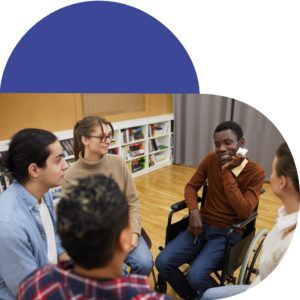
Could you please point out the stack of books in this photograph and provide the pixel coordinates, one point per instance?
(67, 146)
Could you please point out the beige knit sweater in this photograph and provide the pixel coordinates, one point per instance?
(276, 244)
(109, 165)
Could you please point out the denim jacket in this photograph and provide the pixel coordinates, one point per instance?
(23, 243)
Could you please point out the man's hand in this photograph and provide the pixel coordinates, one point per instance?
(134, 241)
(195, 222)
(235, 162)
(63, 257)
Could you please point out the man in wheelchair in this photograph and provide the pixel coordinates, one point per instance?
(235, 184)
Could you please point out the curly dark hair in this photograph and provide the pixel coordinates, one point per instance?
(235, 127)
(90, 218)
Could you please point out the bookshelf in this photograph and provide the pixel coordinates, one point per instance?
(146, 144)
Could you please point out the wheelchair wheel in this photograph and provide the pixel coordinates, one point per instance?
(248, 269)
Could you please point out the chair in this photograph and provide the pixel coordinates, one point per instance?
(243, 254)
(149, 244)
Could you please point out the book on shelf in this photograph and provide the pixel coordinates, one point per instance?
(157, 158)
(162, 147)
(152, 145)
(135, 133)
(132, 134)
(129, 166)
(113, 142)
(160, 156)
(5, 176)
(5, 181)
(172, 126)
(136, 149)
(113, 151)
(158, 129)
(152, 160)
(67, 146)
(137, 165)
(125, 136)
(125, 152)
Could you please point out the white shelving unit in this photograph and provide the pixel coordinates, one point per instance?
(145, 143)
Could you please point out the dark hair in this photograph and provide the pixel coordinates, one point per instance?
(286, 165)
(27, 146)
(85, 128)
(90, 218)
(235, 127)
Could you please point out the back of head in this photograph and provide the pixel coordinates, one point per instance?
(286, 165)
(230, 125)
(91, 217)
(27, 146)
(85, 128)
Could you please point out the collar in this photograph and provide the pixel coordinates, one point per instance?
(90, 164)
(28, 199)
(64, 271)
(237, 171)
(285, 220)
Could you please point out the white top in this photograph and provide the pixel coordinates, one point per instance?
(49, 230)
(276, 243)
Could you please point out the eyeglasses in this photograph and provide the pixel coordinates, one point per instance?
(102, 138)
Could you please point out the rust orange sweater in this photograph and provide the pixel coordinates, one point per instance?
(229, 198)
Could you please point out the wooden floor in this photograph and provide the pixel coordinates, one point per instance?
(159, 189)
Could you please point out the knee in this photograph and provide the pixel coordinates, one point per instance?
(161, 263)
(146, 265)
(141, 262)
(209, 294)
(196, 278)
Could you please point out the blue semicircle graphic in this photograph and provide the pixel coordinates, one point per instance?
(99, 47)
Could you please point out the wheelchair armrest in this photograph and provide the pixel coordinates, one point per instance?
(178, 206)
(181, 205)
(242, 224)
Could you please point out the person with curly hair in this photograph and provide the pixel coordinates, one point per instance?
(94, 226)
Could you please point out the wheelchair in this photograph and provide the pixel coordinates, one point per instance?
(149, 244)
(243, 254)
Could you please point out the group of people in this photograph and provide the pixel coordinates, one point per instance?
(90, 245)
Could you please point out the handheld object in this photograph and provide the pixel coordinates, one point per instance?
(242, 151)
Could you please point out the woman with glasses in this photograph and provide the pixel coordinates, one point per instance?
(92, 137)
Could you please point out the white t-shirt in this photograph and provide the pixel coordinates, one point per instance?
(49, 230)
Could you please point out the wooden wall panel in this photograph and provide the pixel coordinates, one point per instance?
(53, 112)
(56, 112)
(111, 104)
(155, 104)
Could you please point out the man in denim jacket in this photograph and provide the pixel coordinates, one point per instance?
(28, 237)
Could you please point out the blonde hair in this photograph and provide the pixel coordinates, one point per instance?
(286, 166)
